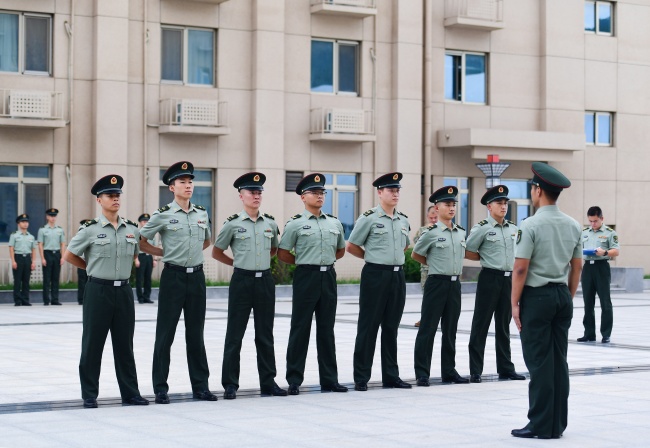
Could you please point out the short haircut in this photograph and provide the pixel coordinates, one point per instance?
(595, 211)
(552, 195)
(431, 207)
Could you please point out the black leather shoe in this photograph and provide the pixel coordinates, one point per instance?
(46, 304)
(335, 387)
(586, 339)
(148, 301)
(456, 379)
(90, 403)
(56, 303)
(526, 433)
(606, 340)
(423, 381)
(276, 391)
(162, 398)
(294, 389)
(511, 376)
(140, 301)
(136, 401)
(17, 304)
(27, 304)
(398, 384)
(361, 386)
(204, 395)
(475, 378)
(230, 393)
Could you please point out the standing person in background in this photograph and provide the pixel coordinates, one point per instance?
(432, 218)
(51, 245)
(143, 272)
(82, 276)
(22, 251)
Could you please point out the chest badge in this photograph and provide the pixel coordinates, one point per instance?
(442, 239)
(173, 221)
(241, 230)
(380, 226)
(130, 235)
(306, 227)
(101, 235)
(491, 233)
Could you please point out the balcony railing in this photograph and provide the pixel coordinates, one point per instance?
(352, 8)
(182, 115)
(31, 108)
(478, 14)
(342, 124)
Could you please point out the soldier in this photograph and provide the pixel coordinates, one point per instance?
(432, 218)
(82, 276)
(492, 241)
(442, 248)
(545, 279)
(599, 243)
(108, 244)
(318, 240)
(51, 244)
(22, 251)
(380, 237)
(253, 238)
(144, 270)
(184, 229)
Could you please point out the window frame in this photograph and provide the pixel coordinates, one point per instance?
(597, 31)
(463, 83)
(595, 115)
(335, 67)
(335, 188)
(185, 58)
(22, 39)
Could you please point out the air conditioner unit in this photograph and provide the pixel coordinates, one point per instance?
(197, 113)
(30, 104)
(345, 121)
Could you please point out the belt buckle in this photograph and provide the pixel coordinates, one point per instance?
(507, 274)
(189, 270)
(591, 261)
(117, 283)
(454, 278)
(258, 274)
(323, 268)
(395, 268)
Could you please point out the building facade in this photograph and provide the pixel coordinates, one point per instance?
(350, 88)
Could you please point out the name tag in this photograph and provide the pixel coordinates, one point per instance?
(454, 278)
(258, 274)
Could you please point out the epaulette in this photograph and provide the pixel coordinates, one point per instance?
(609, 228)
(231, 217)
(482, 223)
(511, 222)
(164, 208)
(400, 213)
(432, 226)
(459, 227)
(369, 212)
(199, 207)
(90, 222)
(296, 216)
(266, 215)
(586, 228)
(331, 216)
(128, 221)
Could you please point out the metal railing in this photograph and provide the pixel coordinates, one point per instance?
(190, 112)
(491, 10)
(41, 104)
(357, 3)
(342, 121)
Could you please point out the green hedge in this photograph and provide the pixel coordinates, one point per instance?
(411, 268)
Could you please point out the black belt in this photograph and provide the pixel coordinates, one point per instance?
(587, 262)
(498, 272)
(101, 281)
(253, 273)
(50, 250)
(316, 267)
(548, 285)
(451, 278)
(25, 255)
(187, 270)
(385, 267)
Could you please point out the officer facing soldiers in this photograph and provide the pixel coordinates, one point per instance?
(22, 251)
(253, 238)
(143, 272)
(51, 245)
(380, 237)
(600, 243)
(184, 230)
(545, 279)
(82, 276)
(492, 241)
(108, 244)
(319, 241)
(442, 248)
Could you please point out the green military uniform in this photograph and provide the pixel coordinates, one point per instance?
(549, 239)
(82, 276)
(382, 292)
(424, 269)
(596, 278)
(444, 249)
(23, 244)
(144, 271)
(51, 238)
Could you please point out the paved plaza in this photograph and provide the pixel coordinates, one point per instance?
(40, 403)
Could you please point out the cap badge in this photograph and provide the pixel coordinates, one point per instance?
(317, 178)
(113, 180)
(500, 189)
(184, 166)
(395, 176)
(23, 216)
(256, 178)
(450, 190)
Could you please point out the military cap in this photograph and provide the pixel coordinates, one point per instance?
(250, 181)
(549, 178)
(144, 217)
(108, 184)
(52, 211)
(23, 217)
(179, 169)
(444, 194)
(389, 180)
(494, 193)
(313, 181)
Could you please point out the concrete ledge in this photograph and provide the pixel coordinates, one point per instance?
(630, 279)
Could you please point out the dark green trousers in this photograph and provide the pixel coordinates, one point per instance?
(143, 277)
(82, 279)
(181, 292)
(22, 273)
(247, 293)
(381, 302)
(314, 292)
(441, 302)
(546, 314)
(51, 274)
(596, 279)
(492, 298)
(108, 308)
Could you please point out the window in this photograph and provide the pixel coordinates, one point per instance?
(462, 209)
(599, 17)
(520, 203)
(466, 77)
(23, 189)
(188, 56)
(598, 128)
(25, 43)
(335, 67)
(341, 199)
(202, 195)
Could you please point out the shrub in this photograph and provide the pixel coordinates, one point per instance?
(411, 268)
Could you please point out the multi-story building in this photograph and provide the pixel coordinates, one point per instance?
(350, 88)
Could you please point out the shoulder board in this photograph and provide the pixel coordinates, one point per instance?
(482, 223)
(609, 228)
(90, 222)
(164, 208)
(369, 212)
(511, 222)
(400, 213)
(296, 216)
(266, 215)
(128, 221)
(586, 228)
(331, 216)
(459, 227)
(199, 207)
(432, 226)
(231, 217)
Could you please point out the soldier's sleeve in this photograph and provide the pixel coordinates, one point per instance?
(35, 244)
(361, 230)
(289, 236)
(417, 234)
(423, 244)
(136, 232)
(340, 242)
(577, 250)
(12, 240)
(79, 243)
(39, 235)
(62, 237)
(208, 233)
(276, 232)
(224, 238)
(154, 225)
(613, 241)
(475, 238)
(525, 242)
(408, 236)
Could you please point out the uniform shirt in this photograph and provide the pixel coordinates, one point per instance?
(182, 233)
(444, 248)
(549, 239)
(605, 238)
(251, 241)
(423, 267)
(316, 238)
(23, 243)
(108, 251)
(383, 238)
(495, 243)
(51, 237)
